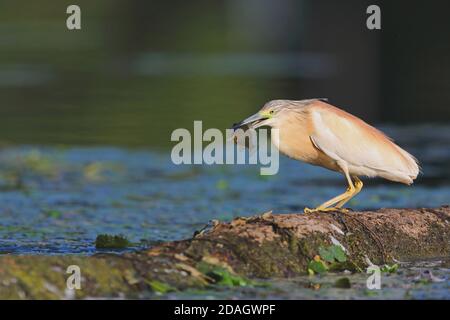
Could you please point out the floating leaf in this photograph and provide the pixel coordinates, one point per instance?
(339, 253)
(326, 254)
(332, 253)
(317, 266)
(389, 268)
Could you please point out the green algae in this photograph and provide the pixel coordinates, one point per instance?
(343, 283)
(54, 214)
(222, 276)
(77, 218)
(106, 241)
(389, 268)
(160, 287)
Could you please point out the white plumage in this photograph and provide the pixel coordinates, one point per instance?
(365, 150)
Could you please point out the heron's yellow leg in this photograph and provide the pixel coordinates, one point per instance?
(328, 205)
(358, 186)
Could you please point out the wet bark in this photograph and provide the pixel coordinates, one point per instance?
(237, 253)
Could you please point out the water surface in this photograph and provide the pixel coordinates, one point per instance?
(56, 200)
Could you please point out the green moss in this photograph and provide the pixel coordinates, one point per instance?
(389, 268)
(222, 276)
(159, 287)
(343, 283)
(222, 184)
(330, 258)
(106, 241)
(293, 244)
(55, 214)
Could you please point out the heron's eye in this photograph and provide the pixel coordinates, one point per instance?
(271, 112)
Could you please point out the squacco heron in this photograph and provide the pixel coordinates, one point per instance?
(320, 134)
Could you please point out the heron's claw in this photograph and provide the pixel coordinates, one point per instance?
(342, 210)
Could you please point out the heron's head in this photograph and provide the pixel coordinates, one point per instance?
(273, 113)
(267, 116)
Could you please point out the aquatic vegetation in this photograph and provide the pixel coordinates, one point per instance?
(333, 253)
(94, 171)
(317, 265)
(222, 184)
(59, 202)
(55, 214)
(39, 163)
(343, 283)
(389, 268)
(329, 258)
(84, 192)
(159, 287)
(223, 276)
(106, 241)
(98, 171)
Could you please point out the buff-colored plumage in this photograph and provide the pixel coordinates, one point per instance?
(318, 133)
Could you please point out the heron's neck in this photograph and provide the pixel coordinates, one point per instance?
(294, 132)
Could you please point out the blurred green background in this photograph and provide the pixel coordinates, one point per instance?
(139, 69)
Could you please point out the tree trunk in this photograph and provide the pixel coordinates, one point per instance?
(265, 246)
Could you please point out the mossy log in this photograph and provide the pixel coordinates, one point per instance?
(263, 246)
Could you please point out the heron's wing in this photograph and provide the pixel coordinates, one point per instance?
(344, 137)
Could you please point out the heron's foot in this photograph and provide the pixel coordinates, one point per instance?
(329, 209)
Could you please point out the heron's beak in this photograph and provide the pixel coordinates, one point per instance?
(252, 121)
